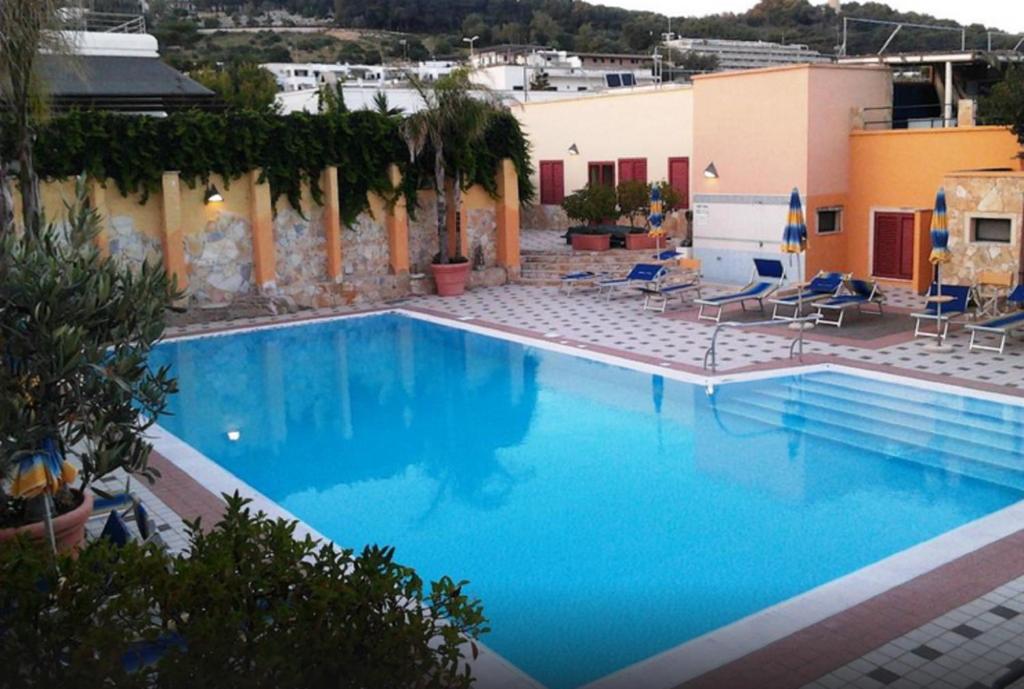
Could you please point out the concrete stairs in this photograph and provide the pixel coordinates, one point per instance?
(545, 267)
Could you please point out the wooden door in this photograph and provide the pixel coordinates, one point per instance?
(552, 181)
(894, 246)
(679, 178)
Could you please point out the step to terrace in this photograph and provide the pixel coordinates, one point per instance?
(891, 421)
(545, 267)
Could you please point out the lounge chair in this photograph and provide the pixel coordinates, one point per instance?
(953, 309)
(580, 277)
(1001, 326)
(859, 293)
(656, 297)
(116, 528)
(764, 281)
(641, 275)
(822, 286)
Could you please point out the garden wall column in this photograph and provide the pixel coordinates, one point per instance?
(171, 237)
(507, 213)
(261, 218)
(332, 223)
(98, 201)
(398, 228)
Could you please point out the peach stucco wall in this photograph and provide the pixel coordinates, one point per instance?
(900, 170)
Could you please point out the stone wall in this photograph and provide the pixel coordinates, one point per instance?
(423, 234)
(300, 253)
(131, 244)
(481, 229)
(983, 195)
(543, 217)
(219, 259)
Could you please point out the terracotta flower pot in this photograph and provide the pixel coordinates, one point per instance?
(641, 241)
(68, 528)
(591, 242)
(450, 278)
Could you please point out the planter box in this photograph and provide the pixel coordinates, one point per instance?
(591, 242)
(642, 241)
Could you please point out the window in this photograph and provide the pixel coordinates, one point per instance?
(633, 169)
(995, 230)
(601, 173)
(628, 80)
(612, 80)
(830, 220)
(552, 182)
(302, 72)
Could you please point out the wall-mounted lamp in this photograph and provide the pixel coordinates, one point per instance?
(711, 172)
(574, 150)
(234, 435)
(212, 195)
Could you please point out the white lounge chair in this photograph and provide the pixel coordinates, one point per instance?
(1002, 326)
(765, 280)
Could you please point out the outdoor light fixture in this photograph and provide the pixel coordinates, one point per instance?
(234, 435)
(711, 172)
(212, 195)
(574, 150)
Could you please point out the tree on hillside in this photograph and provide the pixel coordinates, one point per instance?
(242, 85)
(1005, 104)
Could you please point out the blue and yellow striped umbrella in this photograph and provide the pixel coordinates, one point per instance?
(657, 214)
(794, 237)
(44, 471)
(940, 231)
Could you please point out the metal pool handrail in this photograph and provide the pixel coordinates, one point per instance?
(711, 352)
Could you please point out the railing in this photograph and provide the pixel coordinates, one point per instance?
(891, 117)
(77, 19)
(711, 355)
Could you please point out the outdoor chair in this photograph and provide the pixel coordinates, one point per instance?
(824, 285)
(641, 275)
(1001, 326)
(581, 278)
(682, 281)
(991, 287)
(858, 294)
(766, 278)
(956, 308)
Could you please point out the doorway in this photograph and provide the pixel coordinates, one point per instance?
(894, 246)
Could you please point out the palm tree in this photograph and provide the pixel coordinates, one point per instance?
(452, 122)
(26, 28)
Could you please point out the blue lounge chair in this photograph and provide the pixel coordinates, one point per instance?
(580, 277)
(859, 293)
(679, 282)
(641, 275)
(954, 309)
(1001, 326)
(822, 286)
(766, 278)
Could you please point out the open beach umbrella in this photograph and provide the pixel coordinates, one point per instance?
(656, 216)
(794, 238)
(940, 248)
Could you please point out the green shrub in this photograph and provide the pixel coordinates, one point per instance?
(247, 605)
(634, 199)
(591, 204)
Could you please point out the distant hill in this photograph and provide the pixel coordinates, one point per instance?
(416, 29)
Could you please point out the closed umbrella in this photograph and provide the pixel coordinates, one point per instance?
(794, 242)
(43, 473)
(940, 254)
(656, 216)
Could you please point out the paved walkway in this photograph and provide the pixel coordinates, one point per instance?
(964, 648)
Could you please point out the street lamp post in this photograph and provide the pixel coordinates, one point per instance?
(471, 41)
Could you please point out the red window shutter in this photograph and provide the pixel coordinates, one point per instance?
(633, 169)
(888, 244)
(552, 181)
(558, 174)
(640, 170)
(907, 247)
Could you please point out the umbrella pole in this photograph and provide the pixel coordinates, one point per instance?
(48, 521)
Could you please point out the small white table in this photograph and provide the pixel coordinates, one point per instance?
(939, 347)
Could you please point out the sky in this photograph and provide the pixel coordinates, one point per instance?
(1007, 15)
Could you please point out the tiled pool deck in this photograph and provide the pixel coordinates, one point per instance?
(959, 625)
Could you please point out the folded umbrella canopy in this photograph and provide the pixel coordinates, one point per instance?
(657, 215)
(794, 239)
(44, 472)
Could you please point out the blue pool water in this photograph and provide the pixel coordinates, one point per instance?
(602, 515)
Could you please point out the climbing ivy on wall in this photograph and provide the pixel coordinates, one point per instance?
(133, 152)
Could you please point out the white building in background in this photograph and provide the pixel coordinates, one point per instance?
(748, 54)
(306, 76)
(514, 68)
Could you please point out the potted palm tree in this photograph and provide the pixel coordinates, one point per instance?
(75, 331)
(444, 133)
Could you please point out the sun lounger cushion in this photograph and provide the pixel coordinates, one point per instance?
(750, 293)
(1000, 323)
(578, 275)
(769, 268)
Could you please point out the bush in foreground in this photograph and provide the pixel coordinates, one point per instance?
(247, 605)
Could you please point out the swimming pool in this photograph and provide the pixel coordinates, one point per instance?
(602, 514)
